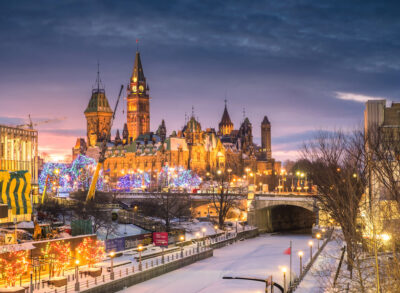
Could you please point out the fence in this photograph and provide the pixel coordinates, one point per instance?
(114, 280)
(300, 278)
(117, 278)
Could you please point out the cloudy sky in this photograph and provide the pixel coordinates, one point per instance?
(307, 65)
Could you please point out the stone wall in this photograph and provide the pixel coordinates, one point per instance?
(127, 281)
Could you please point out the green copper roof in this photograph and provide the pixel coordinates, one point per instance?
(98, 102)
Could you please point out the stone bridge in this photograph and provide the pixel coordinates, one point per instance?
(268, 211)
(280, 212)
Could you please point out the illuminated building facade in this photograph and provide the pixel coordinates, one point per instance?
(201, 150)
(138, 102)
(19, 150)
(379, 210)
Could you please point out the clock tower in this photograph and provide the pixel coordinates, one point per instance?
(138, 102)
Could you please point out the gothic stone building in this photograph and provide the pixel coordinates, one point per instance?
(201, 150)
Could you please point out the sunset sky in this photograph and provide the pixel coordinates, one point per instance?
(307, 65)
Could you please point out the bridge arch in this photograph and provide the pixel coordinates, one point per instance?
(276, 216)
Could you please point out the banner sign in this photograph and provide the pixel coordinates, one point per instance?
(128, 242)
(160, 239)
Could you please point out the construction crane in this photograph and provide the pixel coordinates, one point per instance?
(31, 124)
(102, 156)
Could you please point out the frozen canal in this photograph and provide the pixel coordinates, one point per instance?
(258, 257)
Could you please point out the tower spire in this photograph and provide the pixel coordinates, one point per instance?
(226, 125)
(98, 84)
(192, 111)
(98, 75)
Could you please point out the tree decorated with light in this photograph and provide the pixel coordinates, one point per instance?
(90, 251)
(58, 255)
(13, 265)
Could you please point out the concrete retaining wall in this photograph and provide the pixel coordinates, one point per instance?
(127, 281)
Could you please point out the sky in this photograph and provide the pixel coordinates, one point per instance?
(308, 65)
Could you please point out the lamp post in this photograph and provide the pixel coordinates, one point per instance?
(236, 224)
(31, 285)
(284, 279)
(140, 248)
(181, 238)
(76, 275)
(310, 243)
(301, 261)
(198, 243)
(204, 235)
(229, 174)
(112, 255)
(318, 237)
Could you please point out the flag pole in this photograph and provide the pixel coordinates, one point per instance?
(290, 270)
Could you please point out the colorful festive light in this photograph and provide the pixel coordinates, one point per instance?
(70, 177)
(13, 265)
(90, 251)
(178, 177)
(58, 254)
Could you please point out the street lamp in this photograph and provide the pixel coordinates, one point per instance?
(204, 235)
(216, 229)
(318, 237)
(198, 244)
(236, 224)
(229, 174)
(310, 243)
(76, 275)
(140, 248)
(284, 279)
(181, 238)
(112, 255)
(301, 261)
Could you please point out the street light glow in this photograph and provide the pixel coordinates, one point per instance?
(301, 253)
(310, 243)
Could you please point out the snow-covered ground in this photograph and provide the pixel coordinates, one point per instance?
(121, 231)
(258, 257)
(196, 227)
(320, 277)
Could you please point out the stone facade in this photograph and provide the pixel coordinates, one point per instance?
(201, 150)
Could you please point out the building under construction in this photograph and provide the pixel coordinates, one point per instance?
(19, 150)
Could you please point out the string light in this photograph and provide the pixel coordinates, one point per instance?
(58, 254)
(13, 265)
(70, 177)
(178, 177)
(90, 251)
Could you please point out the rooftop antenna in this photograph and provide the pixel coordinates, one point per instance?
(98, 80)
(137, 45)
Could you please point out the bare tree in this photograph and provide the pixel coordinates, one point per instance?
(223, 199)
(383, 150)
(96, 212)
(167, 206)
(337, 167)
